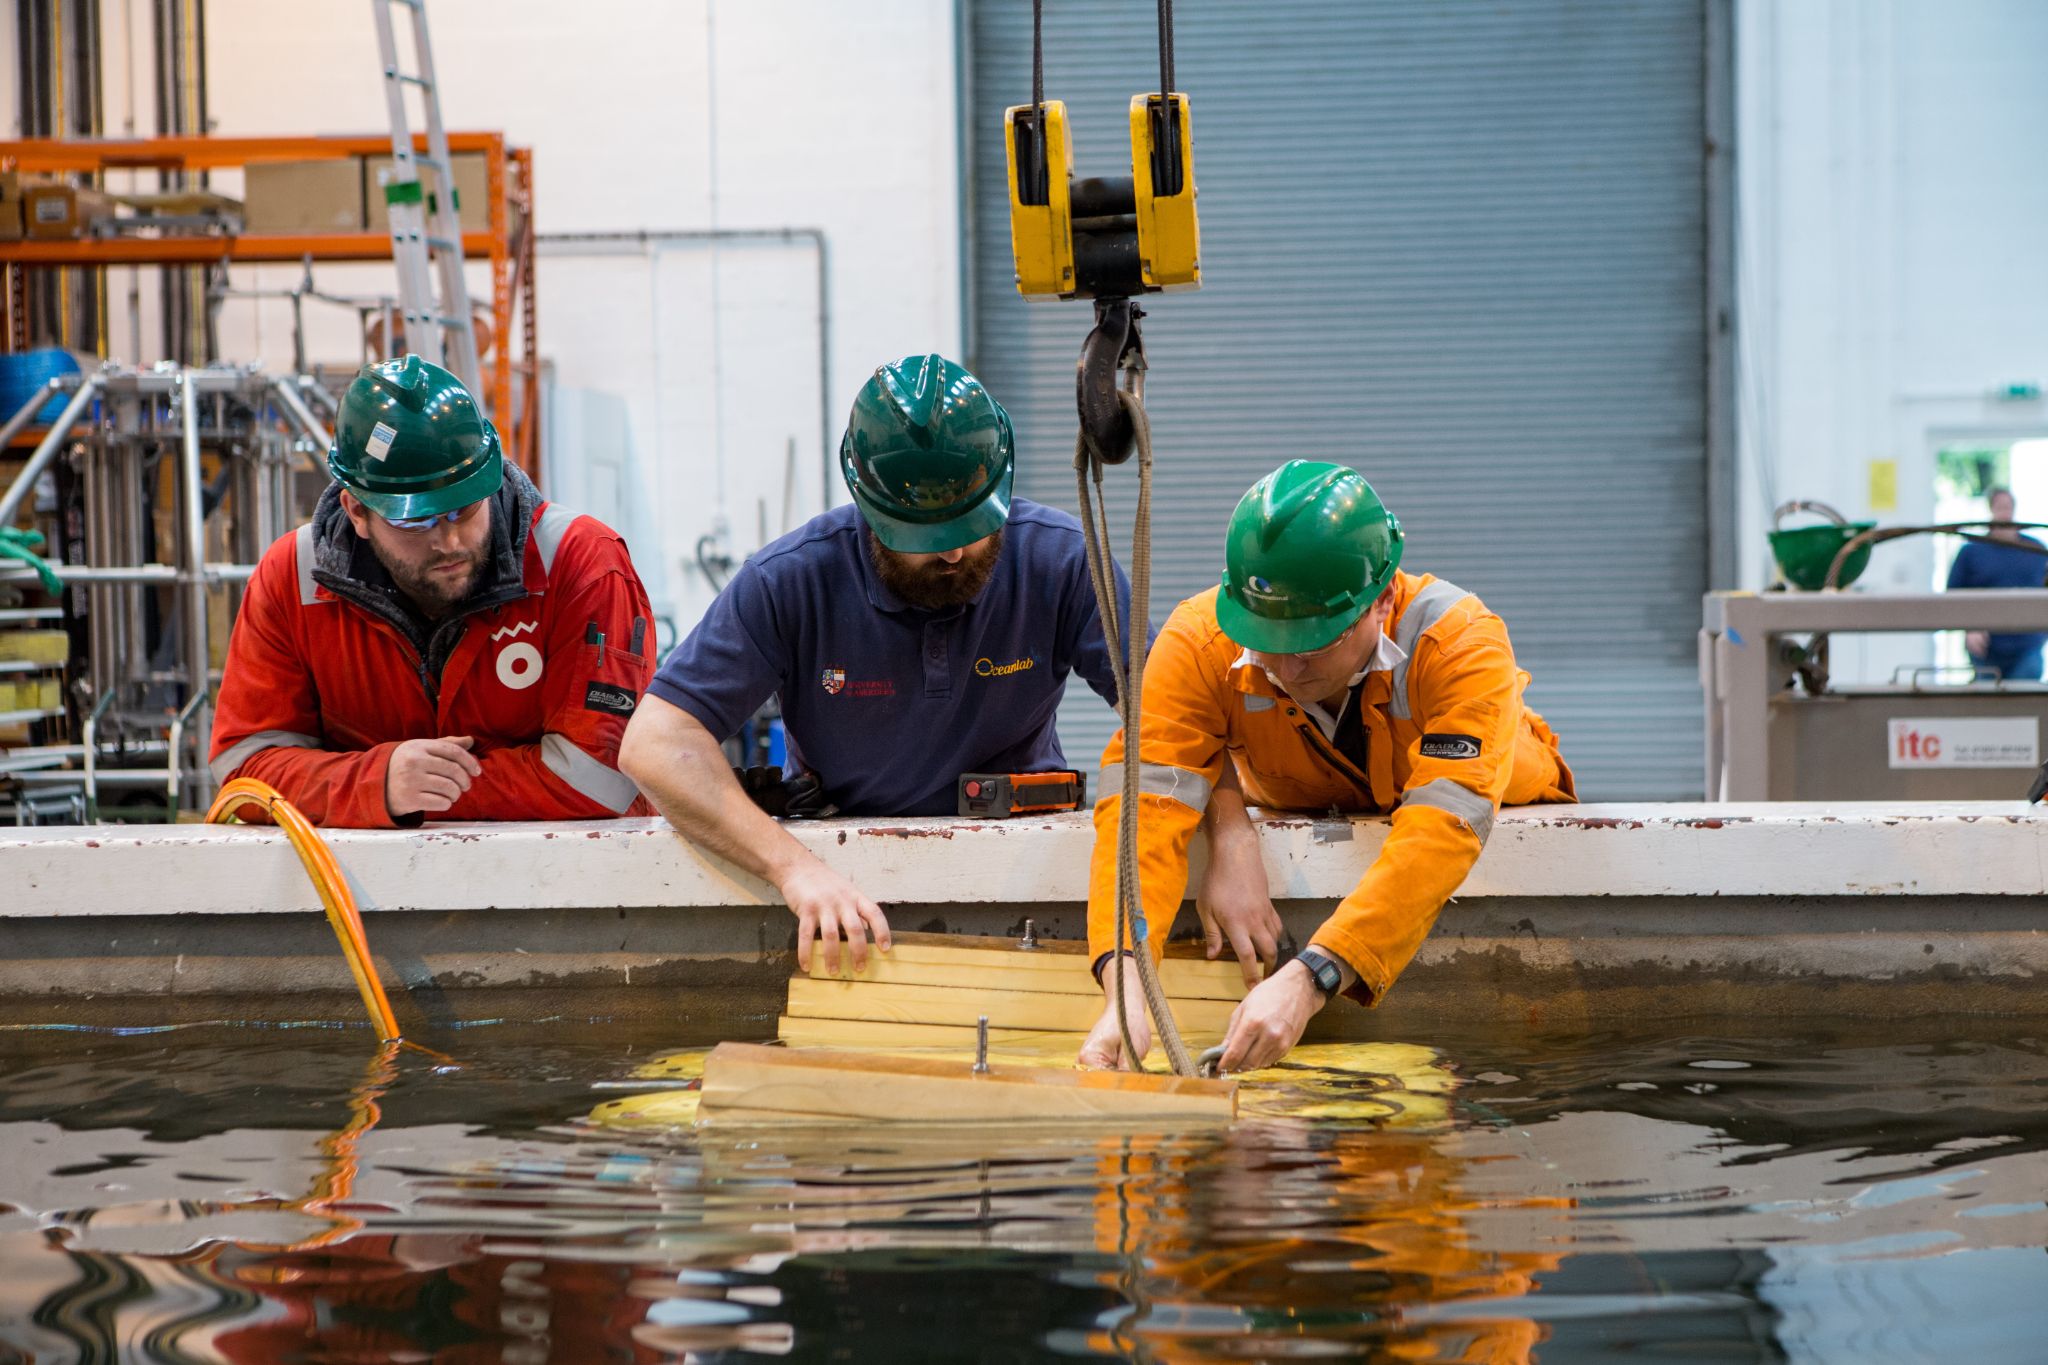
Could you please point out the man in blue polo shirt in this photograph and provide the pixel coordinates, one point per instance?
(924, 631)
(2003, 564)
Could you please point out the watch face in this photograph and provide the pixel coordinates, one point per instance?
(1326, 973)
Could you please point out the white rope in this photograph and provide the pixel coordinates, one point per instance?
(1127, 665)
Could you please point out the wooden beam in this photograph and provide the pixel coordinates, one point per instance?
(1000, 965)
(913, 1004)
(950, 1037)
(773, 1082)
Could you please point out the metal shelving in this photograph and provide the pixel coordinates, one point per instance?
(505, 240)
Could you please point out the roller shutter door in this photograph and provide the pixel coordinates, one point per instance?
(1459, 246)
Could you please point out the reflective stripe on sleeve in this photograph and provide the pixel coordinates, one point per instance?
(607, 786)
(243, 750)
(554, 523)
(1422, 612)
(1191, 789)
(302, 551)
(1468, 805)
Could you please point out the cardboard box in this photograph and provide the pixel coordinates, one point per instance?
(62, 213)
(293, 198)
(472, 190)
(12, 185)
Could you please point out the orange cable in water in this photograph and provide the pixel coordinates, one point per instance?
(328, 880)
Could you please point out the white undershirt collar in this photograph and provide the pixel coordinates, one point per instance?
(1386, 656)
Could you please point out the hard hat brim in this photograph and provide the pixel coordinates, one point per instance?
(1277, 635)
(983, 519)
(475, 486)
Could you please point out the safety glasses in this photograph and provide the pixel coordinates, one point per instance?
(452, 516)
(1311, 656)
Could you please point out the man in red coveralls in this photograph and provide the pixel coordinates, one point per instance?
(439, 640)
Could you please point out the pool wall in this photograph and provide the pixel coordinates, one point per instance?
(1593, 911)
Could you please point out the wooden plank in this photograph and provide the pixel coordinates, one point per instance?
(1177, 950)
(1056, 965)
(876, 1033)
(815, 1084)
(1013, 1044)
(902, 1004)
(984, 969)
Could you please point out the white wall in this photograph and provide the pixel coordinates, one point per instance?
(1893, 187)
(683, 114)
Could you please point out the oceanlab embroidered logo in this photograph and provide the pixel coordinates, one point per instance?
(1449, 746)
(834, 680)
(989, 668)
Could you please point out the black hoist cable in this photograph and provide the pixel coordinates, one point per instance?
(1041, 183)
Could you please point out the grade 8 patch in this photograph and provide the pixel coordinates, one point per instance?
(604, 697)
(1449, 746)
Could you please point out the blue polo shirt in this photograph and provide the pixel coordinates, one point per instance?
(1979, 565)
(886, 703)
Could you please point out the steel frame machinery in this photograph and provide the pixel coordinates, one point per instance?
(159, 490)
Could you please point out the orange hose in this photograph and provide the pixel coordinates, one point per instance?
(328, 880)
(336, 1185)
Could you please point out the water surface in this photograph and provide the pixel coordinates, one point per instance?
(1710, 1193)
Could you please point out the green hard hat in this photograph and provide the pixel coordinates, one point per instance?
(409, 441)
(928, 456)
(1310, 549)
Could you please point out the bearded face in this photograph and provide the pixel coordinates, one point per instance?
(437, 567)
(933, 582)
(437, 580)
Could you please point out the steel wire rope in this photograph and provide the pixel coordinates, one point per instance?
(1125, 641)
(1040, 175)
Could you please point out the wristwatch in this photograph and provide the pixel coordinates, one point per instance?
(1323, 970)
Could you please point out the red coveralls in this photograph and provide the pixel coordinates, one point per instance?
(318, 690)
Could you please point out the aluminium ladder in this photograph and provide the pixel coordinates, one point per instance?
(426, 232)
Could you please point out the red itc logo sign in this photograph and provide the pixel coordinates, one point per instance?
(1911, 744)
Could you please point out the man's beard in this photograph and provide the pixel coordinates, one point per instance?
(433, 593)
(936, 584)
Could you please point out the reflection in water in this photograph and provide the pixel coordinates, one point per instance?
(231, 1196)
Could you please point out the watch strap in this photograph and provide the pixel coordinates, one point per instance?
(1323, 969)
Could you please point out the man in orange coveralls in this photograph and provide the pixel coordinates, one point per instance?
(439, 640)
(1330, 680)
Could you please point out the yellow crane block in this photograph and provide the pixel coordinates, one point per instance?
(1169, 236)
(1041, 216)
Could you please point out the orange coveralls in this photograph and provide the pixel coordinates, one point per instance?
(1448, 743)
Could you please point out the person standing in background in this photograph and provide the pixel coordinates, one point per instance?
(2013, 561)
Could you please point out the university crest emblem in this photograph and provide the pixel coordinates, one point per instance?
(834, 680)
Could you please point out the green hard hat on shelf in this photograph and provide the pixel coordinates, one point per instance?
(928, 456)
(409, 441)
(1310, 549)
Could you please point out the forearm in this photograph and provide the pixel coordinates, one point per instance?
(680, 767)
(342, 790)
(1227, 821)
(1377, 929)
(553, 780)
